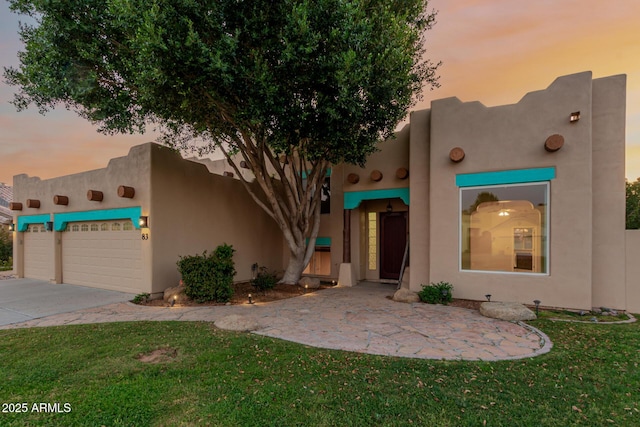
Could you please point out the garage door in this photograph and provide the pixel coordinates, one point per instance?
(38, 253)
(103, 254)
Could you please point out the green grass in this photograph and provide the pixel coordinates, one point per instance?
(586, 316)
(590, 378)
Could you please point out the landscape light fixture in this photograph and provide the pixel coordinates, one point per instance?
(173, 300)
(143, 222)
(537, 303)
(488, 297)
(574, 117)
(12, 227)
(250, 299)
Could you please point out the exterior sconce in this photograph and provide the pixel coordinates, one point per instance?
(12, 227)
(488, 297)
(48, 225)
(143, 222)
(389, 207)
(574, 117)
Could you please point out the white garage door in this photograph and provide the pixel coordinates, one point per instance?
(102, 254)
(38, 253)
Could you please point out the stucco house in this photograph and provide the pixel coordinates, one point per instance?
(522, 201)
(6, 195)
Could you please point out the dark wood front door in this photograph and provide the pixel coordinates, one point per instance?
(393, 239)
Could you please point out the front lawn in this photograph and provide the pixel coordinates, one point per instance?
(198, 375)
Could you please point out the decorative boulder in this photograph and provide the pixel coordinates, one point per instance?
(236, 322)
(405, 295)
(506, 311)
(309, 282)
(177, 293)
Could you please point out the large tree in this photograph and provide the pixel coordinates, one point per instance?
(287, 86)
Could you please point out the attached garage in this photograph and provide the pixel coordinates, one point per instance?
(103, 254)
(38, 252)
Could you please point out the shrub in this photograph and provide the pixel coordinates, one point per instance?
(265, 279)
(141, 298)
(6, 245)
(209, 277)
(436, 293)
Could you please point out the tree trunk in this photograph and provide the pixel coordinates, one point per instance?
(295, 267)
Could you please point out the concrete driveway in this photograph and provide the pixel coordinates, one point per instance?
(27, 299)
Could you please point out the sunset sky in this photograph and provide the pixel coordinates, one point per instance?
(493, 51)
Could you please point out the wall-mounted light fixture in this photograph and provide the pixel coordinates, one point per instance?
(48, 225)
(488, 297)
(389, 207)
(12, 227)
(574, 117)
(143, 222)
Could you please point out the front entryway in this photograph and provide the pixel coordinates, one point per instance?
(393, 239)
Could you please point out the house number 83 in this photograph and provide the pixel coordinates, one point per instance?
(145, 236)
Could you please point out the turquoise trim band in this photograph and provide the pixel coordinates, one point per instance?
(60, 220)
(515, 176)
(25, 220)
(327, 174)
(322, 241)
(352, 199)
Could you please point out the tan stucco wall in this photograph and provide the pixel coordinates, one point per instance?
(420, 214)
(193, 210)
(512, 137)
(609, 194)
(393, 154)
(632, 291)
(131, 170)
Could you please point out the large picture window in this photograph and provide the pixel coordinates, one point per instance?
(504, 228)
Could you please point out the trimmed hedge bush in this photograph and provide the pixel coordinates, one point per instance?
(436, 293)
(265, 280)
(209, 277)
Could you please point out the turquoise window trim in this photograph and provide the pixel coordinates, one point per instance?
(60, 220)
(352, 199)
(515, 176)
(25, 220)
(322, 241)
(327, 174)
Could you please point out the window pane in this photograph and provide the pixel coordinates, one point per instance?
(504, 228)
(373, 241)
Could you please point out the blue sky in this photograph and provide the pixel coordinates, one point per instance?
(493, 51)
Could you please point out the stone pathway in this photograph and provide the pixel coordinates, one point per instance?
(360, 319)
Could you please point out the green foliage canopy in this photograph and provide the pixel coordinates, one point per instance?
(329, 77)
(633, 205)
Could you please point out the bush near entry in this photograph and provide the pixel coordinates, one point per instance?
(436, 293)
(209, 277)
